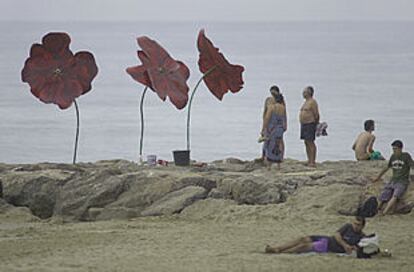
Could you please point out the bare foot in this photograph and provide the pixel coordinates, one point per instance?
(312, 165)
(269, 249)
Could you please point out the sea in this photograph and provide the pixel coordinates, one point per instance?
(359, 70)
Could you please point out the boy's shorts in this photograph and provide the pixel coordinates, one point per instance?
(391, 189)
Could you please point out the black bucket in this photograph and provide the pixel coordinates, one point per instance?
(181, 157)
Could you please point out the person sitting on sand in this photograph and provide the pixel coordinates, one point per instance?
(274, 125)
(401, 163)
(364, 144)
(345, 240)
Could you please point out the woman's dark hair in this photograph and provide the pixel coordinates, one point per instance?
(310, 90)
(369, 125)
(279, 99)
(274, 88)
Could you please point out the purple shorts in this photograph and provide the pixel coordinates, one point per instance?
(320, 246)
(391, 189)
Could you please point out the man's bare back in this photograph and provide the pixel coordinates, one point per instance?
(363, 145)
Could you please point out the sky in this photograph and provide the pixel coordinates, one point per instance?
(206, 10)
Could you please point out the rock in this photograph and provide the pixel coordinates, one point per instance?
(35, 189)
(110, 213)
(207, 209)
(215, 193)
(176, 201)
(10, 213)
(250, 190)
(200, 181)
(119, 189)
(97, 189)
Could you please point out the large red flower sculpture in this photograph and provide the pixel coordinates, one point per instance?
(160, 72)
(222, 76)
(54, 74)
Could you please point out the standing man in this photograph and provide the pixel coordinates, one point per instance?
(309, 118)
(401, 163)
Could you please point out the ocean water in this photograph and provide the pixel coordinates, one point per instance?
(360, 70)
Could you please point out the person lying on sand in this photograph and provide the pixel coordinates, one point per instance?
(345, 240)
(401, 163)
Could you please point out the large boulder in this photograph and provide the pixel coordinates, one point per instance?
(176, 201)
(35, 189)
(96, 189)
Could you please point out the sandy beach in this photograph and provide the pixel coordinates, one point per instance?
(211, 234)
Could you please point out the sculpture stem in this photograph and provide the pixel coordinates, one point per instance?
(77, 132)
(141, 109)
(190, 103)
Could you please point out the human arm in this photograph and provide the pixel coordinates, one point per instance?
(347, 247)
(370, 148)
(381, 174)
(265, 107)
(315, 111)
(354, 145)
(266, 119)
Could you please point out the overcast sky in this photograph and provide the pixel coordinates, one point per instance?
(202, 10)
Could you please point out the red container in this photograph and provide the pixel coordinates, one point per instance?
(163, 162)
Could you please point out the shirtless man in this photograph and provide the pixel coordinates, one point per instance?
(364, 143)
(309, 118)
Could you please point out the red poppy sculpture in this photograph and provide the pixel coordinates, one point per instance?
(162, 74)
(56, 75)
(218, 74)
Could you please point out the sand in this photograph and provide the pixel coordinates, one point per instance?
(229, 238)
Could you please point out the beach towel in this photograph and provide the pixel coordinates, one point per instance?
(272, 138)
(321, 129)
(368, 246)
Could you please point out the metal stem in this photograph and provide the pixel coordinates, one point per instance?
(191, 102)
(141, 109)
(77, 132)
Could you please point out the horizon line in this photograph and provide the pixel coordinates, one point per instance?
(214, 21)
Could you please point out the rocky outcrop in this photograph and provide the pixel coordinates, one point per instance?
(176, 201)
(121, 189)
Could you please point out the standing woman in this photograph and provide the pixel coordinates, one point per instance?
(271, 100)
(274, 125)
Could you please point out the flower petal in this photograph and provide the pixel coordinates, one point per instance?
(57, 43)
(224, 76)
(167, 77)
(153, 50)
(54, 74)
(85, 70)
(140, 74)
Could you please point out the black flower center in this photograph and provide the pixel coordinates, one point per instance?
(57, 72)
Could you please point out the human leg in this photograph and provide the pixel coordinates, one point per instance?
(300, 248)
(312, 159)
(307, 150)
(297, 243)
(390, 205)
(398, 191)
(385, 196)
